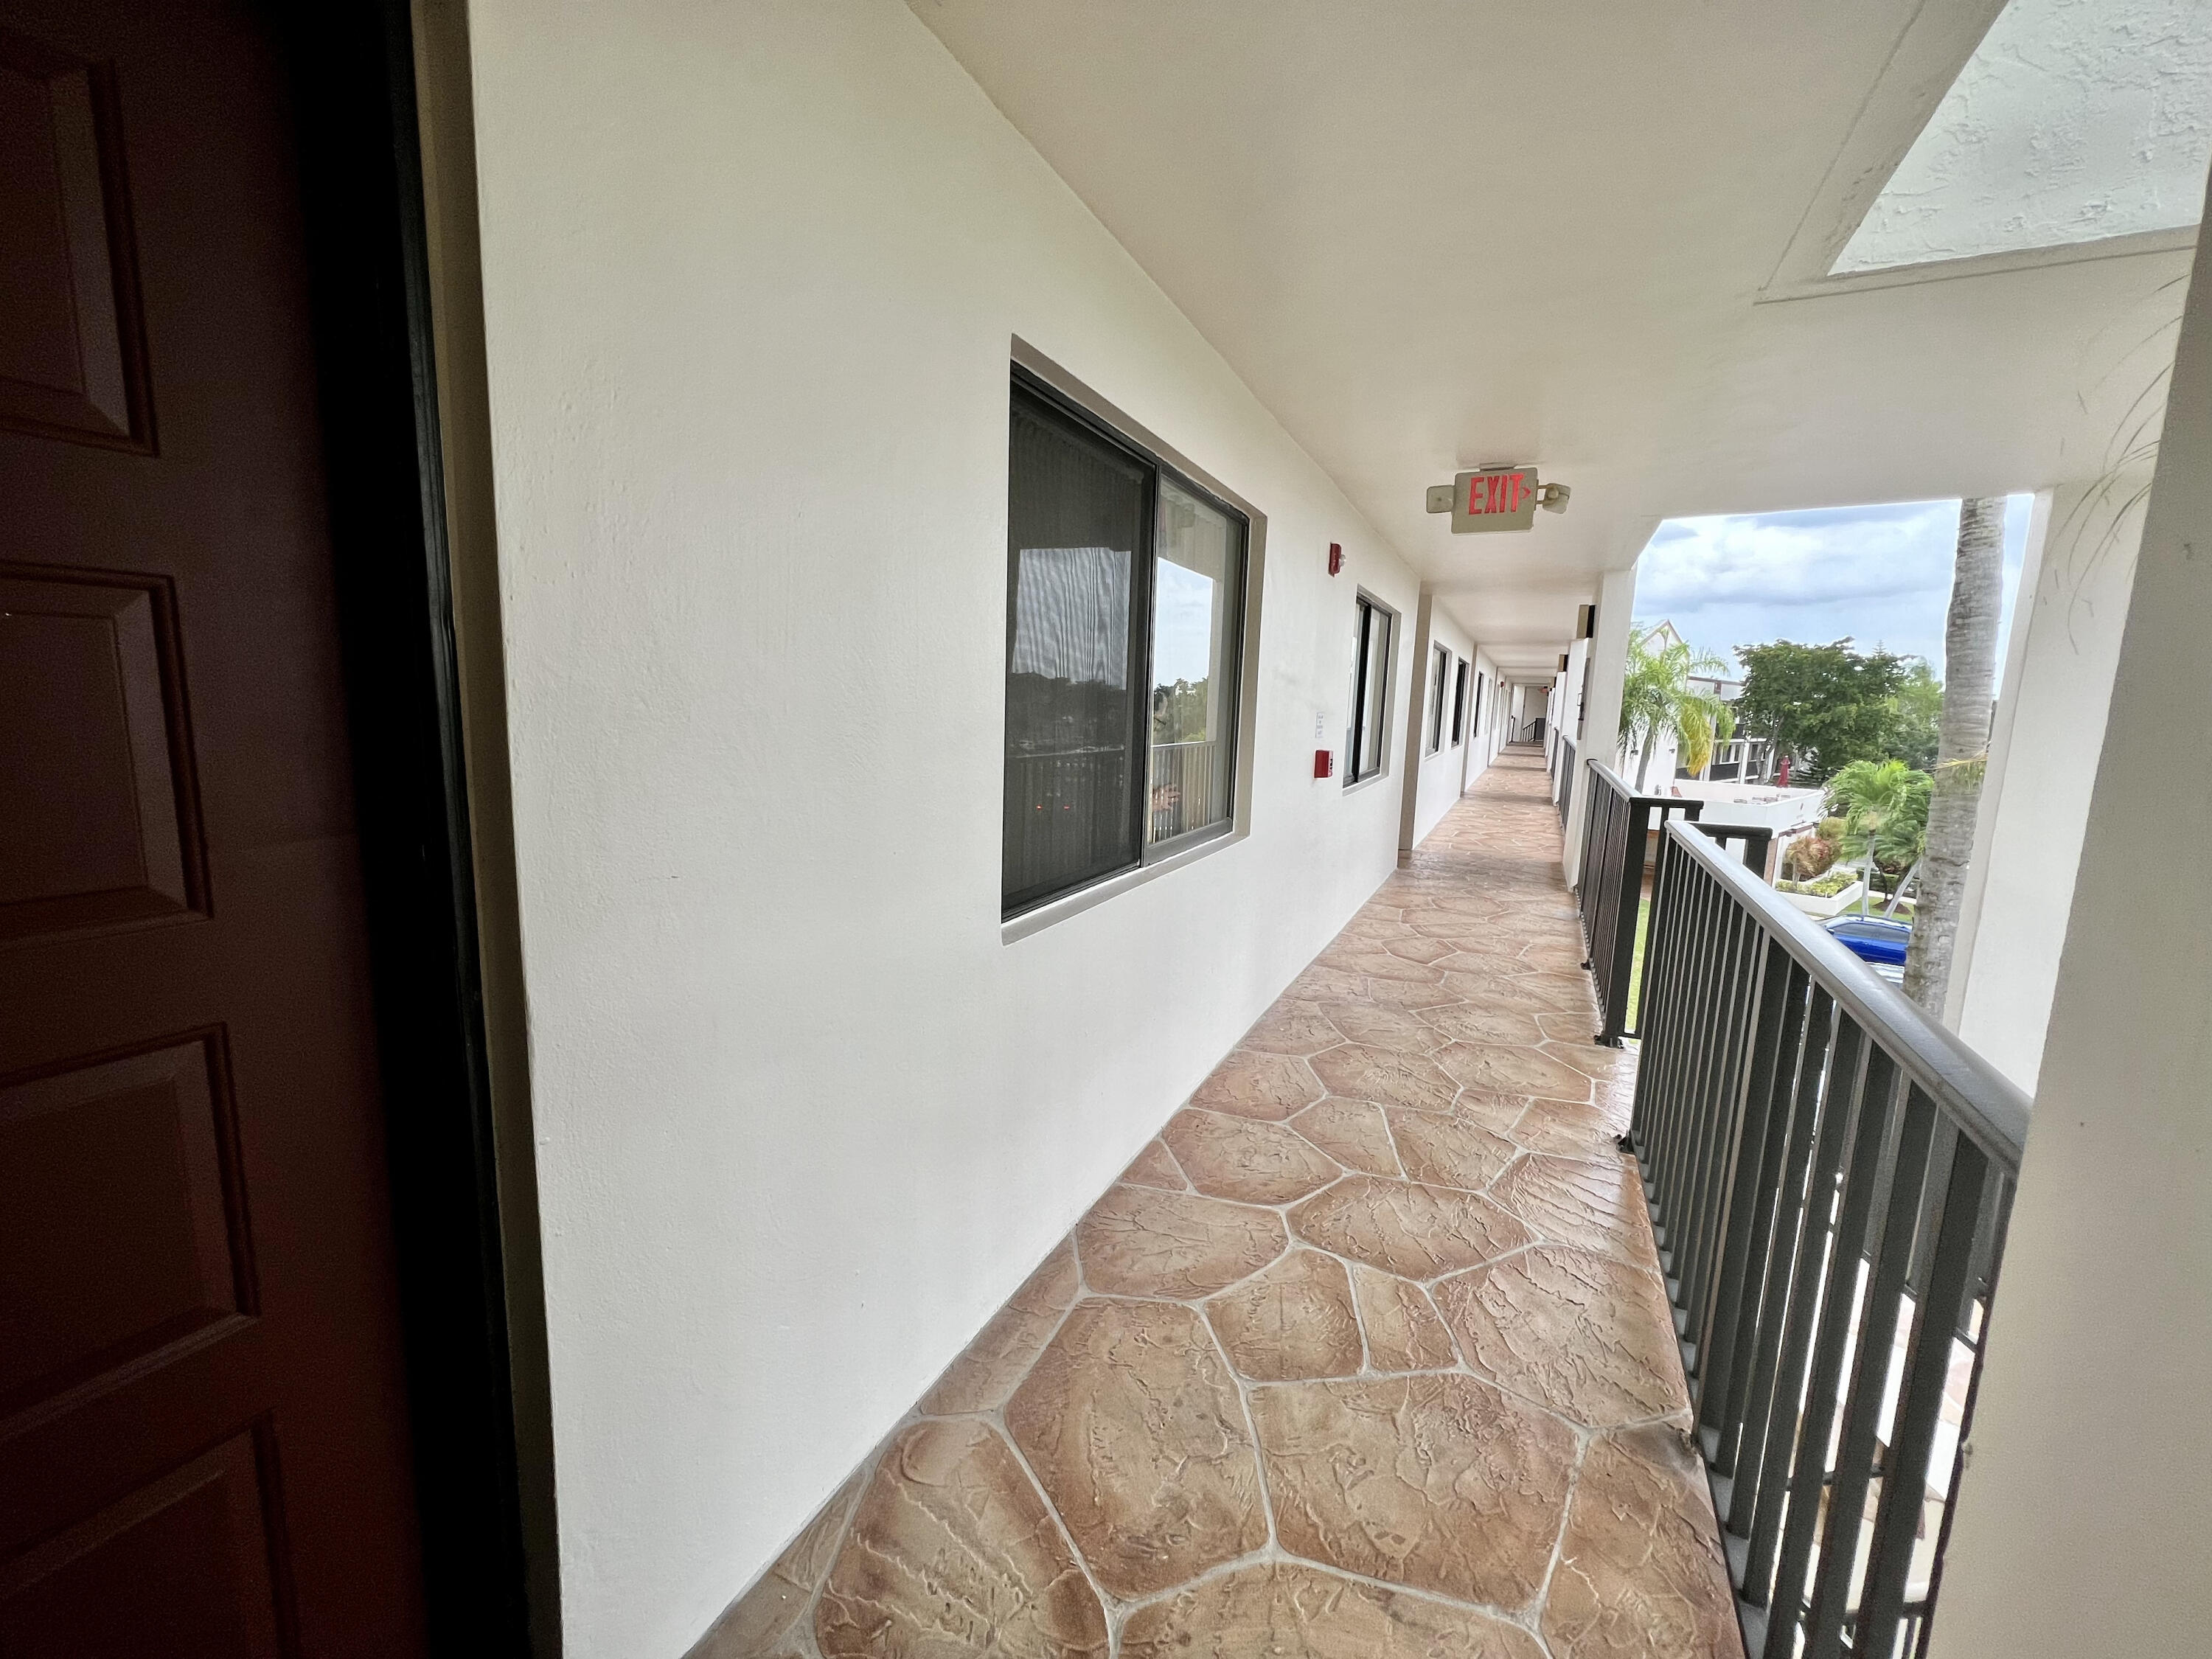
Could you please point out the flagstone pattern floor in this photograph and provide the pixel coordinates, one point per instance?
(1366, 1356)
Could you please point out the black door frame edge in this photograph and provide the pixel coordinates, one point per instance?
(360, 180)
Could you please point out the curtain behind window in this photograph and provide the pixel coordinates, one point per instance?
(1076, 535)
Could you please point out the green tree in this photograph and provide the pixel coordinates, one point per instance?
(1656, 696)
(1699, 732)
(1179, 711)
(1884, 807)
(1827, 704)
(1916, 713)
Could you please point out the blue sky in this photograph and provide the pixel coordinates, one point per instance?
(1880, 574)
(1182, 625)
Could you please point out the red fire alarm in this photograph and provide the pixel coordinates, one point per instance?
(1335, 567)
(1324, 763)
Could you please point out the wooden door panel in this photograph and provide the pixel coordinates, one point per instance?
(99, 822)
(72, 355)
(203, 1436)
(190, 1564)
(122, 1225)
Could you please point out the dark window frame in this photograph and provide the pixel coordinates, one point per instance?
(1025, 382)
(1440, 658)
(1359, 765)
(1459, 704)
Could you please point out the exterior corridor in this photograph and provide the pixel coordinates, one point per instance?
(1366, 1355)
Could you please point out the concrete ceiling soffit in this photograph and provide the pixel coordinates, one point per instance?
(1930, 52)
(1565, 557)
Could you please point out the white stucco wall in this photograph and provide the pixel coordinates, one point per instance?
(1602, 679)
(2060, 657)
(2075, 120)
(1443, 773)
(2082, 1519)
(1570, 695)
(1488, 724)
(803, 1119)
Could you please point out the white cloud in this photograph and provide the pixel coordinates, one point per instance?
(1879, 574)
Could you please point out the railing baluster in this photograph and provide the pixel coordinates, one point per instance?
(1997, 1211)
(1713, 1118)
(1657, 1095)
(1618, 940)
(1604, 892)
(1651, 957)
(1717, 1155)
(1710, 1123)
(1945, 1290)
(1675, 930)
(1789, 1148)
(1869, 1166)
(1671, 1155)
(1601, 908)
(1888, 1244)
(1773, 1037)
(1699, 1099)
(1846, 1084)
(1663, 952)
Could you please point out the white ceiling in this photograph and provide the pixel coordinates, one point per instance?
(2073, 121)
(1434, 233)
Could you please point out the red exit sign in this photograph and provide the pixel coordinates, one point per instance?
(1489, 493)
(1489, 498)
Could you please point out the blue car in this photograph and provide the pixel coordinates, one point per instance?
(1878, 941)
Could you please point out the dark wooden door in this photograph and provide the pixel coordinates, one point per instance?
(203, 1444)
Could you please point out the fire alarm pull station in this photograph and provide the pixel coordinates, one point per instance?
(1496, 498)
(1324, 763)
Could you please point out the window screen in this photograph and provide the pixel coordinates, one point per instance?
(1124, 617)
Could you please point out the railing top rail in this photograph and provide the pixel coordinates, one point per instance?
(1977, 1098)
(1621, 786)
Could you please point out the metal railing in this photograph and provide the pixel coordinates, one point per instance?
(1829, 1173)
(1065, 810)
(1566, 777)
(1618, 849)
(1181, 785)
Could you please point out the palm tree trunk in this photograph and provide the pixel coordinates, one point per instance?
(1644, 758)
(1969, 665)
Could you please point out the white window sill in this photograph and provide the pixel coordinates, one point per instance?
(1075, 903)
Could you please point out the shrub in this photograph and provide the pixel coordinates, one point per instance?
(1809, 856)
(1827, 887)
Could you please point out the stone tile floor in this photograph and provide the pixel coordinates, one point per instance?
(1366, 1356)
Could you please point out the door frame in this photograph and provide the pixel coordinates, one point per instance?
(361, 171)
